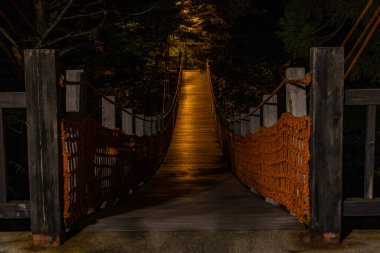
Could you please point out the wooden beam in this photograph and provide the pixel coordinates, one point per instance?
(361, 207)
(12, 100)
(362, 97)
(44, 146)
(3, 163)
(326, 103)
(15, 210)
(369, 168)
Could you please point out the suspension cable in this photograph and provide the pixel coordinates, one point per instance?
(360, 18)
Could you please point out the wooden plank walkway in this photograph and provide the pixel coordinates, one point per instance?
(194, 189)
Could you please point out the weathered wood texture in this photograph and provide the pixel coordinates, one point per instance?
(108, 113)
(12, 100)
(3, 162)
(139, 125)
(361, 207)
(127, 122)
(295, 96)
(254, 121)
(270, 111)
(369, 168)
(362, 97)
(75, 94)
(44, 149)
(194, 189)
(327, 66)
(15, 210)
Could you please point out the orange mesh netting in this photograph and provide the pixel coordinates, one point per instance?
(100, 164)
(275, 162)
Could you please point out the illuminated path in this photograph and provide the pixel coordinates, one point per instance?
(193, 189)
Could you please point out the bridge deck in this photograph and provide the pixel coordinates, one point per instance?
(193, 189)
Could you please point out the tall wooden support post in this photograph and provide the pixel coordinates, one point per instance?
(127, 121)
(108, 112)
(327, 66)
(254, 121)
(3, 162)
(295, 96)
(75, 94)
(44, 146)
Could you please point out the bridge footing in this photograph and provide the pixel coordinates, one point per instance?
(46, 241)
(325, 238)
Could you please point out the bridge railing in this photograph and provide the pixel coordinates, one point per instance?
(76, 165)
(270, 155)
(102, 163)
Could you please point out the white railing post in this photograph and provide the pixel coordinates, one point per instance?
(295, 96)
(108, 112)
(270, 111)
(127, 121)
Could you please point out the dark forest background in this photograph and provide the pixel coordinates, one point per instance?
(125, 46)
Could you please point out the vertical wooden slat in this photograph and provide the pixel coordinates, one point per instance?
(254, 121)
(139, 125)
(326, 102)
(75, 94)
(295, 96)
(3, 162)
(108, 113)
(244, 125)
(44, 149)
(127, 122)
(270, 111)
(370, 151)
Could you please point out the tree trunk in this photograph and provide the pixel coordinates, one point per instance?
(40, 7)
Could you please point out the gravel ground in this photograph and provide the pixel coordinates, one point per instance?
(193, 242)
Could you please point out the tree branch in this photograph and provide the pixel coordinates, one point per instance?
(85, 15)
(70, 36)
(58, 19)
(142, 12)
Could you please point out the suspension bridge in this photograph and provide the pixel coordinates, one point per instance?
(193, 167)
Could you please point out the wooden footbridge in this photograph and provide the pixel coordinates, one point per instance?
(192, 167)
(194, 189)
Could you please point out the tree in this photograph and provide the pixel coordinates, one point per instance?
(315, 23)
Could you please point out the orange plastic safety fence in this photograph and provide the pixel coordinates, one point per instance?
(101, 164)
(275, 162)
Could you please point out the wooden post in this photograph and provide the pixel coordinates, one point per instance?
(244, 125)
(326, 103)
(3, 162)
(44, 146)
(370, 139)
(108, 113)
(270, 111)
(75, 94)
(295, 96)
(139, 125)
(254, 121)
(148, 126)
(127, 121)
